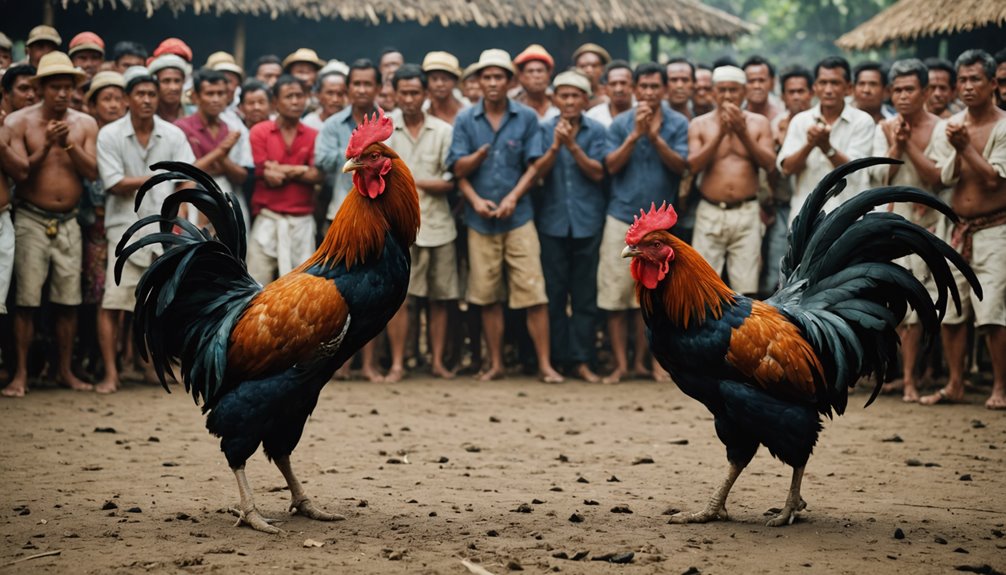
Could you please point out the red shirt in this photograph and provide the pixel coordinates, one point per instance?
(267, 143)
(199, 136)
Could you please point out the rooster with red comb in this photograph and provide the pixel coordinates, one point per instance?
(256, 357)
(768, 370)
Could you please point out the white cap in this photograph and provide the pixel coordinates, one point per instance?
(729, 74)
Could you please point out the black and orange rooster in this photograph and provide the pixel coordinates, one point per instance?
(257, 357)
(768, 370)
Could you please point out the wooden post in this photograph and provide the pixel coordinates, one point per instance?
(654, 46)
(239, 41)
(48, 14)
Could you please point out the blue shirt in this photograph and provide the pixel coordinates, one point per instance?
(512, 148)
(330, 155)
(571, 204)
(645, 179)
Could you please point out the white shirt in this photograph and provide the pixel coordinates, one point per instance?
(851, 134)
(602, 113)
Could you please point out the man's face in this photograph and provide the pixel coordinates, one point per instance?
(170, 82)
(22, 93)
(831, 86)
(124, 62)
(680, 85)
(441, 84)
(87, 60)
(231, 83)
(908, 95)
(211, 99)
(77, 99)
(534, 77)
(291, 101)
(333, 95)
(57, 92)
(570, 101)
(386, 98)
(973, 86)
(1001, 83)
(5, 58)
(471, 88)
(941, 92)
(650, 89)
(306, 72)
(143, 101)
(256, 107)
(410, 95)
(39, 49)
(729, 93)
(363, 88)
(703, 96)
(389, 63)
(109, 105)
(760, 83)
(620, 87)
(591, 64)
(869, 91)
(493, 82)
(796, 95)
(268, 73)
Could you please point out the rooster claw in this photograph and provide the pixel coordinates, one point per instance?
(704, 516)
(255, 520)
(306, 508)
(787, 516)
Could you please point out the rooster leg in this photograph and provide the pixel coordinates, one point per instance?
(247, 514)
(794, 502)
(300, 504)
(717, 508)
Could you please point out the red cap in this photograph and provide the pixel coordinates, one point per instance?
(87, 41)
(174, 46)
(532, 53)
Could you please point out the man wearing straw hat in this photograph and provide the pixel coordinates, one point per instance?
(52, 149)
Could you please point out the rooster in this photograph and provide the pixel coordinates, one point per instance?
(768, 370)
(257, 357)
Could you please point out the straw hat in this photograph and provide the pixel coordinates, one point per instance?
(442, 61)
(43, 34)
(218, 58)
(573, 78)
(303, 55)
(169, 61)
(103, 80)
(5, 43)
(230, 67)
(58, 64)
(591, 48)
(87, 41)
(491, 58)
(534, 52)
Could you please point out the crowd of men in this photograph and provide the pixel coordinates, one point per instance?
(529, 175)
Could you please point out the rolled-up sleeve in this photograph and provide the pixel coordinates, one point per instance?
(796, 137)
(533, 149)
(110, 165)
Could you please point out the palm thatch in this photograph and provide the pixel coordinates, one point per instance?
(909, 20)
(682, 17)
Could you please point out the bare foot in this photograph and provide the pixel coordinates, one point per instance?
(614, 377)
(640, 372)
(344, 373)
(70, 381)
(550, 376)
(491, 374)
(372, 375)
(892, 387)
(996, 401)
(107, 386)
(395, 375)
(441, 372)
(911, 394)
(583, 372)
(943, 396)
(16, 388)
(660, 375)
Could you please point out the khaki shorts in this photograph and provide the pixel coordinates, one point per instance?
(520, 251)
(122, 295)
(616, 290)
(6, 257)
(435, 273)
(38, 257)
(732, 237)
(988, 260)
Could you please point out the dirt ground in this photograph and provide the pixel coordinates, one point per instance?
(430, 473)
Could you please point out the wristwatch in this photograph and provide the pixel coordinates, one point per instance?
(831, 152)
(448, 176)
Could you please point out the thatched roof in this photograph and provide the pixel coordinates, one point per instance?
(684, 17)
(909, 20)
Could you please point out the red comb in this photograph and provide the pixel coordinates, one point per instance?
(376, 128)
(662, 218)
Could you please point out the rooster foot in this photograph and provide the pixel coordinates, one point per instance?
(788, 515)
(306, 508)
(255, 520)
(705, 516)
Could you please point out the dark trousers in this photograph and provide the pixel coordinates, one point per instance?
(570, 267)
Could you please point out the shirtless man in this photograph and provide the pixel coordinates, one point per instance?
(728, 146)
(18, 90)
(52, 149)
(970, 151)
(907, 137)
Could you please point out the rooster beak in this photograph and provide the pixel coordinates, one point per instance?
(630, 252)
(351, 166)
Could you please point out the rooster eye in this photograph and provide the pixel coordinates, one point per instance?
(374, 155)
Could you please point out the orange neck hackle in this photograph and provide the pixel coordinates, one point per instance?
(690, 287)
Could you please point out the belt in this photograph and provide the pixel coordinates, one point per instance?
(730, 205)
(51, 220)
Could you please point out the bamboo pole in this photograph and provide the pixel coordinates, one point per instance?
(240, 41)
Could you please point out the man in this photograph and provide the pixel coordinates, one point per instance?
(494, 146)
(332, 95)
(220, 151)
(234, 75)
(908, 137)
(971, 155)
(51, 150)
(128, 54)
(423, 142)
(175, 46)
(6, 234)
(386, 97)
(680, 85)
(870, 90)
(442, 74)
(825, 137)
(618, 83)
(760, 87)
(570, 219)
(534, 73)
(470, 88)
(41, 41)
(126, 150)
(18, 89)
(943, 87)
(268, 69)
(391, 59)
(1001, 78)
(282, 236)
(87, 52)
(648, 153)
(702, 99)
(255, 102)
(728, 147)
(591, 60)
(304, 65)
(170, 71)
(6, 55)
